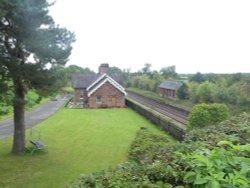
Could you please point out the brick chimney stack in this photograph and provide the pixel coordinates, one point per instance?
(104, 68)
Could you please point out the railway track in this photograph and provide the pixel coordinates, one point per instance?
(178, 114)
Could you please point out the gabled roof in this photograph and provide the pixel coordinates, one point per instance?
(83, 80)
(101, 81)
(80, 81)
(96, 81)
(170, 84)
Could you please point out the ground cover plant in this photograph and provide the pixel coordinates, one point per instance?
(216, 156)
(77, 141)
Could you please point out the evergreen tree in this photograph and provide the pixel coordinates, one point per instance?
(28, 32)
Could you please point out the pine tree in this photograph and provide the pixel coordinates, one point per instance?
(26, 31)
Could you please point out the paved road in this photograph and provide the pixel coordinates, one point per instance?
(33, 117)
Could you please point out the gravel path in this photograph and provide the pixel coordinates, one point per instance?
(33, 117)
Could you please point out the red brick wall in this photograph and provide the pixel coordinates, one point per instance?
(167, 92)
(77, 93)
(107, 91)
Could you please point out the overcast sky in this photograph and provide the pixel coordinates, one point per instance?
(204, 36)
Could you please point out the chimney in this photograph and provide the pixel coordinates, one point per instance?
(104, 68)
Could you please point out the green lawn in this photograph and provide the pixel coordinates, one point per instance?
(78, 141)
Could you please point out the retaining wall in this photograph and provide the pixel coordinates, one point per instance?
(174, 128)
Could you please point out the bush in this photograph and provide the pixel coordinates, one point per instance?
(146, 145)
(207, 114)
(221, 167)
(235, 129)
(208, 157)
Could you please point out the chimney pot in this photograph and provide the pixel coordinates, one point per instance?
(104, 68)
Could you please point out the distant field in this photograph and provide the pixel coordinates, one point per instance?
(78, 141)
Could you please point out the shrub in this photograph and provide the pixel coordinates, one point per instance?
(145, 145)
(235, 129)
(206, 114)
(221, 167)
(202, 160)
(218, 112)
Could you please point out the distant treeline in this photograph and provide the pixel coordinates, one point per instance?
(233, 89)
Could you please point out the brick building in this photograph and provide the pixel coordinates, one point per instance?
(169, 88)
(100, 90)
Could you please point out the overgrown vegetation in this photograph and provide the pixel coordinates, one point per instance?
(211, 157)
(231, 89)
(32, 100)
(207, 114)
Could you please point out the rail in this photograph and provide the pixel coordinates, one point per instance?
(178, 114)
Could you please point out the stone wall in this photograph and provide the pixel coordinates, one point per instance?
(167, 124)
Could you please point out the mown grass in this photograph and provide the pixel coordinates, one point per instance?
(78, 141)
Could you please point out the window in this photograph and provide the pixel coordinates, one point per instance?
(81, 94)
(99, 99)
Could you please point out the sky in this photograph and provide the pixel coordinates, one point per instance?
(207, 36)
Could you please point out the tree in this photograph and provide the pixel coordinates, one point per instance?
(206, 92)
(237, 77)
(115, 70)
(198, 77)
(28, 32)
(147, 68)
(71, 69)
(182, 92)
(168, 72)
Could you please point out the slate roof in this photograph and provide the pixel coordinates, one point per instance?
(85, 80)
(170, 84)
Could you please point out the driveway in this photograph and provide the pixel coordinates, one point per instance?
(33, 117)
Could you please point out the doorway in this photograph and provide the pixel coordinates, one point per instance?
(114, 101)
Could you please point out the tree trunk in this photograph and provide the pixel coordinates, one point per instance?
(19, 120)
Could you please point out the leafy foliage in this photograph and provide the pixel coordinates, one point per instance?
(198, 77)
(225, 166)
(206, 114)
(169, 72)
(31, 100)
(202, 160)
(146, 145)
(232, 89)
(29, 32)
(182, 92)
